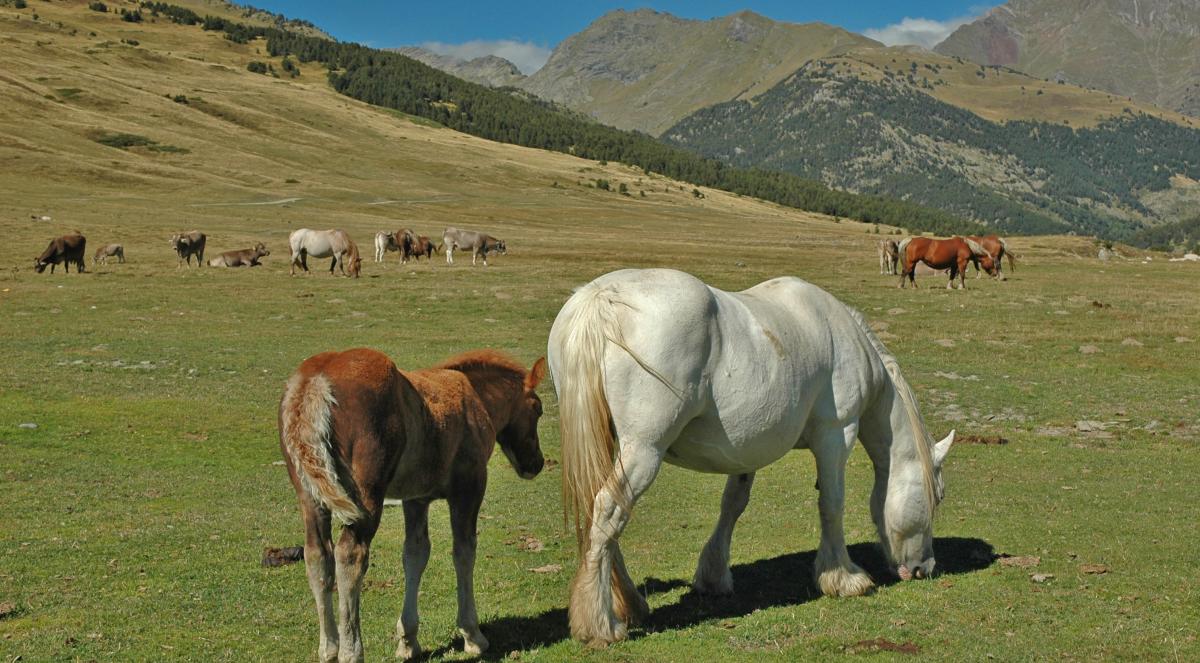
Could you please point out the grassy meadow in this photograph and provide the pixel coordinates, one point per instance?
(135, 514)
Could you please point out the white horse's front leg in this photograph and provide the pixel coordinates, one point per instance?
(598, 614)
(712, 573)
(836, 575)
(449, 254)
(416, 556)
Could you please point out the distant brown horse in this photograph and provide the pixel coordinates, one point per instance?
(953, 254)
(355, 430)
(997, 248)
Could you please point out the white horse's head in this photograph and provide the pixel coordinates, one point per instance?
(914, 491)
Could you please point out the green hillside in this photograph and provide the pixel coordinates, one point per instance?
(891, 136)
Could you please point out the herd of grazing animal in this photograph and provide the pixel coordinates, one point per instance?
(333, 243)
(686, 388)
(954, 255)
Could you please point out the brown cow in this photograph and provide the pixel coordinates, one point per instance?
(108, 251)
(242, 258)
(67, 249)
(189, 244)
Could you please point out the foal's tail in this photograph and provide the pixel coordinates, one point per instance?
(305, 430)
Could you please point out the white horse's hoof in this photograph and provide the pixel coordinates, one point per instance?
(844, 582)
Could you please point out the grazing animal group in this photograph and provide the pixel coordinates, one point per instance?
(650, 367)
(954, 254)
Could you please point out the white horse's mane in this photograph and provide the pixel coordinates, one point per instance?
(924, 442)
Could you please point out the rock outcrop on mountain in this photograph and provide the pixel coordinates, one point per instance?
(490, 70)
(1144, 49)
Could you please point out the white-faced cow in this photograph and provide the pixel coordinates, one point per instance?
(109, 251)
(189, 244)
(67, 249)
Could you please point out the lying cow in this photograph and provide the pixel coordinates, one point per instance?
(67, 249)
(109, 251)
(189, 244)
(242, 258)
(479, 243)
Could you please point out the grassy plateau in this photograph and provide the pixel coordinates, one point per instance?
(134, 515)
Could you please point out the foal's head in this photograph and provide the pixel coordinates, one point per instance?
(519, 439)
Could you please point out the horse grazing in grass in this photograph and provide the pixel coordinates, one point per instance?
(654, 366)
(384, 242)
(889, 256)
(953, 254)
(332, 243)
(109, 251)
(354, 430)
(998, 249)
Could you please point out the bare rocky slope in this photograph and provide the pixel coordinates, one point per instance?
(1144, 49)
(490, 70)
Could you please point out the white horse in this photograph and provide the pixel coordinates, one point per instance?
(332, 243)
(384, 242)
(654, 365)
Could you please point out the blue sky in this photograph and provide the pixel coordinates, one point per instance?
(526, 32)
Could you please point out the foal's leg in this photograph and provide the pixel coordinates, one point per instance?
(597, 613)
(712, 573)
(318, 561)
(416, 556)
(352, 555)
(464, 516)
(836, 575)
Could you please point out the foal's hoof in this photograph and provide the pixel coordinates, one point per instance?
(408, 651)
(474, 644)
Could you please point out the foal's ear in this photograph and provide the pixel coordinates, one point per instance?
(536, 374)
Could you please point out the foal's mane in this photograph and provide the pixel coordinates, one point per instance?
(924, 442)
(487, 365)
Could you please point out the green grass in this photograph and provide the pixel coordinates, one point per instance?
(137, 511)
(135, 514)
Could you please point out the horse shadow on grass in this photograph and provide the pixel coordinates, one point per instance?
(785, 580)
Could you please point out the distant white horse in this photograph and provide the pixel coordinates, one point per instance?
(384, 242)
(654, 365)
(332, 243)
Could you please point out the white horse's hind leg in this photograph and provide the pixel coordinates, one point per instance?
(416, 556)
(712, 573)
(597, 613)
(836, 575)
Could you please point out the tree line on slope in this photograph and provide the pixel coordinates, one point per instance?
(395, 81)
(891, 139)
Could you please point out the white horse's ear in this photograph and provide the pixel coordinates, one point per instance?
(941, 449)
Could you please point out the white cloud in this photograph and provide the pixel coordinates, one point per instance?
(919, 31)
(528, 57)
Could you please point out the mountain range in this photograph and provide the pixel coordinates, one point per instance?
(1018, 151)
(1145, 49)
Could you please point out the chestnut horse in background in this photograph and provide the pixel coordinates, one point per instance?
(997, 248)
(953, 254)
(354, 430)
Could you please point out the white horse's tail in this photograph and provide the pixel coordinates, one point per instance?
(305, 430)
(903, 246)
(1012, 259)
(589, 446)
